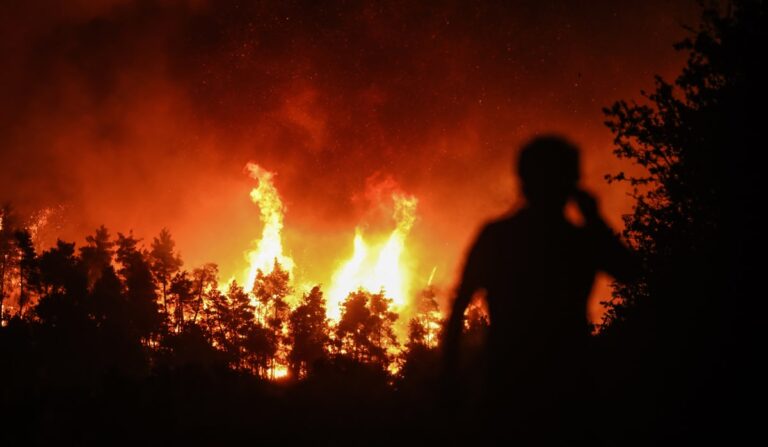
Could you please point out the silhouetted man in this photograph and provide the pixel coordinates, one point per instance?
(537, 270)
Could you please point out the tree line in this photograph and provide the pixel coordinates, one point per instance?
(157, 312)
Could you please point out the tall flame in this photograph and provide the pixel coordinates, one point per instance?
(270, 246)
(377, 268)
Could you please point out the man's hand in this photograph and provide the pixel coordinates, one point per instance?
(587, 206)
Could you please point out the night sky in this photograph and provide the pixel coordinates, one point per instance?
(142, 114)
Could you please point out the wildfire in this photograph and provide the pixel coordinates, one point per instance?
(372, 266)
(278, 372)
(377, 267)
(270, 245)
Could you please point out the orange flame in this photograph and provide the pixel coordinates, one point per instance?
(373, 266)
(380, 267)
(270, 246)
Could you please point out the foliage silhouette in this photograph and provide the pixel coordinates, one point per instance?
(8, 253)
(309, 333)
(140, 291)
(365, 331)
(29, 273)
(680, 325)
(165, 262)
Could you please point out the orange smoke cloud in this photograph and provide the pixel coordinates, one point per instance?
(141, 114)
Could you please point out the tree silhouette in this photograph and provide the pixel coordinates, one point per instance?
(694, 218)
(64, 286)
(260, 346)
(97, 254)
(270, 291)
(214, 317)
(308, 333)
(421, 357)
(689, 196)
(139, 285)
(29, 272)
(237, 315)
(688, 200)
(365, 331)
(424, 327)
(182, 289)
(205, 281)
(249, 345)
(106, 304)
(8, 252)
(165, 262)
(190, 346)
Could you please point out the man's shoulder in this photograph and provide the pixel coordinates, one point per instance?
(501, 225)
(523, 224)
(505, 221)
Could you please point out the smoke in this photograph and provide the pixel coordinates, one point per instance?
(141, 114)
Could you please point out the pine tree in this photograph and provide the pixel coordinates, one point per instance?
(29, 271)
(270, 291)
(308, 333)
(165, 262)
(97, 254)
(140, 288)
(365, 331)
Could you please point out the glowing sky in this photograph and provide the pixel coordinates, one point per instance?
(143, 114)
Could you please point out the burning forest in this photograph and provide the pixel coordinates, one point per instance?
(266, 320)
(379, 223)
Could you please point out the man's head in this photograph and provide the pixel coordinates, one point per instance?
(549, 171)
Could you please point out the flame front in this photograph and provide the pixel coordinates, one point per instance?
(377, 268)
(372, 266)
(270, 245)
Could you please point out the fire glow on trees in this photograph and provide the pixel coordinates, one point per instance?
(373, 267)
(377, 268)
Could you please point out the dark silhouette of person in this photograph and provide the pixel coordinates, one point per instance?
(537, 270)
